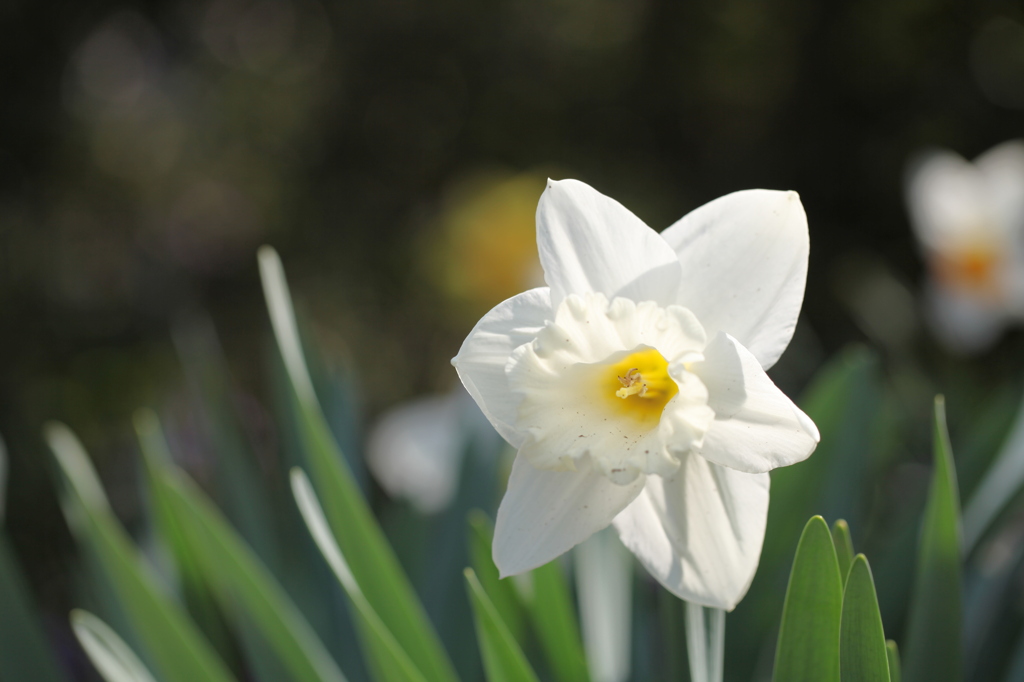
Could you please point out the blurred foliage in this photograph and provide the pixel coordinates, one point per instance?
(394, 152)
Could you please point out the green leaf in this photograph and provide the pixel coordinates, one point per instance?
(371, 559)
(933, 647)
(388, 661)
(24, 652)
(893, 654)
(178, 650)
(503, 659)
(114, 660)
(502, 593)
(844, 546)
(195, 591)
(553, 616)
(808, 646)
(991, 471)
(862, 653)
(239, 488)
(243, 586)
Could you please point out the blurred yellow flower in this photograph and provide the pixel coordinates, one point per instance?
(487, 250)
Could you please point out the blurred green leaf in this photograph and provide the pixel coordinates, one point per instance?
(24, 651)
(304, 574)
(1001, 483)
(862, 653)
(893, 654)
(550, 607)
(372, 561)
(843, 401)
(242, 584)
(808, 646)
(502, 593)
(503, 659)
(114, 660)
(179, 652)
(665, 633)
(388, 661)
(984, 433)
(934, 646)
(844, 546)
(198, 598)
(239, 486)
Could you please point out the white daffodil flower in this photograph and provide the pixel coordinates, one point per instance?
(634, 385)
(969, 221)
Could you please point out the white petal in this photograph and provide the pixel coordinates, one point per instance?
(744, 261)
(414, 451)
(482, 358)
(1003, 170)
(756, 427)
(590, 242)
(700, 532)
(546, 513)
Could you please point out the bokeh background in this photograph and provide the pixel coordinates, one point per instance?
(393, 152)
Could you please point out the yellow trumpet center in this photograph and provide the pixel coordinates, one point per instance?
(639, 385)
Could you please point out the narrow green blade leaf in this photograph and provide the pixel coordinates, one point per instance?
(934, 650)
(241, 583)
(501, 592)
(844, 546)
(845, 401)
(239, 488)
(862, 653)
(808, 646)
(114, 660)
(372, 561)
(196, 593)
(553, 616)
(1002, 481)
(178, 651)
(503, 659)
(24, 652)
(893, 653)
(389, 662)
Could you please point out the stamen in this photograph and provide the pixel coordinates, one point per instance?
(632, 384)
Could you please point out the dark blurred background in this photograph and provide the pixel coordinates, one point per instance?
(393, 152)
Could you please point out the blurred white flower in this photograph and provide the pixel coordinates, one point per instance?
(416, 450)
(969, 221)
(634, 385)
